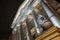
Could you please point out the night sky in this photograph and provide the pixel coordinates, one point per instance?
(8, 9)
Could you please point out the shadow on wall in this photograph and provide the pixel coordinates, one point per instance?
(58, 1)
(3, 39)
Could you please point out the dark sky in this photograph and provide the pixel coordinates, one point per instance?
(8, 9)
